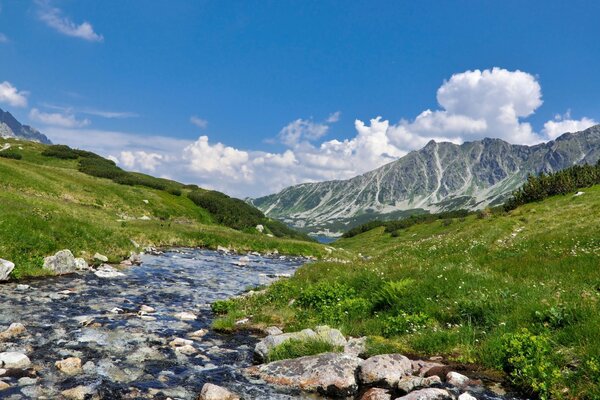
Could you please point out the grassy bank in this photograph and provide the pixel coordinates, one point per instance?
(516, 292)
(47, 204)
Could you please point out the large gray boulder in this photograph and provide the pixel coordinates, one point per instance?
(63, 262)
(329, 374)
(6, 268)
(385, 370)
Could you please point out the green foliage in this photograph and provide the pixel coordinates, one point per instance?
(390, 295)
(556, 317)
(222, 306)
(279, 229)
(404, 323)
(61, 151)
(295, 348)
(11, 154)
(528, 360)
(568, 180)
(324, 295)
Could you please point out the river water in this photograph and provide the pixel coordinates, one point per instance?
(125, 355)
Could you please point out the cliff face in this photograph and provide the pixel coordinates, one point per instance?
(11, 128)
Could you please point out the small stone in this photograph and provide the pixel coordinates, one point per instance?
(214, 392)
(100, 257)
(147, 309)
(22, 287)
(186, 349)
(76, 393)
(2, 371)
(385, 370)
(427, 394)
(13, 359)
(456, 379)
(409, 383)
(69, 366)
(147, 318)
(81, 264)
(4, 386)
(356, 346)
(106, 271)
(26, 381)
(180, 342)
(376, 394)
(466, 396)
(273, 330)
(145, 201)
(6, 268)
(15, 329)
(198, 334)
(242, 321)
(185, 316)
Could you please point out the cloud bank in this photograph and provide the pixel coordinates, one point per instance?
(472, 105)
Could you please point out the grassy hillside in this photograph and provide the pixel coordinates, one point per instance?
(47, 204)
(516, 291)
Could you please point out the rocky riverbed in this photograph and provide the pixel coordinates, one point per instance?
(141, 335)
(144, 332)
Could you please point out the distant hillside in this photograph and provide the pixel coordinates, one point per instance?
(439, 177)
(54, 197)
(11, 128)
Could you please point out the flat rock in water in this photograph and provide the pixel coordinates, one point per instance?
(330, 374)
(385, 370)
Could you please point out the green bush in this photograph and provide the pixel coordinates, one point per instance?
(390, 295)
(227, 211)
(556, 317)
(11, 154)
(295, 348)
(222, 306)
(405, 324)
(61, 151)
(527, 359)
(324, 294)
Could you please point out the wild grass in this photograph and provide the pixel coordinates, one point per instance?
(295, 348)
(466, 290)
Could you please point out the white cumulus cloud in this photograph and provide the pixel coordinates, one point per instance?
(54, 18)
(57, 119)
(564, 123)
(11, 96)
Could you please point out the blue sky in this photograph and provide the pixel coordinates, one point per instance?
(283, 92)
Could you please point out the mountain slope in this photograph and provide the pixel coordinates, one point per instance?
(47, 204)
(439, 177)
(11, 128)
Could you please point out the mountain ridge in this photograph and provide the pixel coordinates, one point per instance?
(10, 127)
(441, 176)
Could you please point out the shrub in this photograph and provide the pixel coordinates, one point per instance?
(222, 306)
(405, 324)
(11, 154)
(527, 359)
(60, 151)
(227, 211)
(295, 348)
(556, 317)
(324, 294)
(391, 293)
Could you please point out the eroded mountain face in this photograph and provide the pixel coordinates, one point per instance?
(439, 177)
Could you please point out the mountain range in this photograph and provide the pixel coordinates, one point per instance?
(11, 128)
(439, 177)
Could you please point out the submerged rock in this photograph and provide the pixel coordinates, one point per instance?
(330, 374)
(214, 392)
(6, 268)
(376, 394)
(15, 329)
(427, 394)
(106, 271)
(69, 366)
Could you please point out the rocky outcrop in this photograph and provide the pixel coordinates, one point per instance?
(330, 374)
(63, 262)
(11, 128)
(6, 268)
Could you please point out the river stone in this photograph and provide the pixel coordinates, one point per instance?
(214, 392)
(458, 380)
(466, 396)
(409, 383)
(81, 264)
(421, 367)
(331, 336)
(100, 257)
(330, 374)
(69, 366)
(3, 386)
(376, 394)
(13, 359)
(356, 346)
(264, 347)
(62, 262)
(427, 394)
(273, 330)
(77, 393)
(385, 370)
(6, 268)
(15, 329)
(106, 271)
